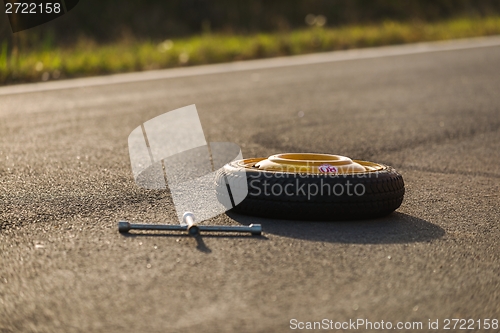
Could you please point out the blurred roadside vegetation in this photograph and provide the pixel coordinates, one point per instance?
(110, 36)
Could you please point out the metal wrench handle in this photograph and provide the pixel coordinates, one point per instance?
(188, 218)
(124, 227)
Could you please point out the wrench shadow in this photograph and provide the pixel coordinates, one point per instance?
(394, 228)
(200, 244)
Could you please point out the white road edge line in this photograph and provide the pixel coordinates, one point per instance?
(308, 59)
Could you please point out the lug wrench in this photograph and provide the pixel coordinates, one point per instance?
(192, 228)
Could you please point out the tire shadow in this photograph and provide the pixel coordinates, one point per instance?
(394, 228)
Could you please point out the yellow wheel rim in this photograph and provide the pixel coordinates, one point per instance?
(310, 163)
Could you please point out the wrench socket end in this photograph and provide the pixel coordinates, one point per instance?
(123, 227)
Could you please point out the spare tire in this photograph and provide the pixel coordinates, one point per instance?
(313, 187)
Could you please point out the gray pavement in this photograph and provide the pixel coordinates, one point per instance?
(65, 181)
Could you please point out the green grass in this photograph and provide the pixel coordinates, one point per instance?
(87, 58)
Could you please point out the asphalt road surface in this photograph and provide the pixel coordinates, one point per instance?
(66, 181)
